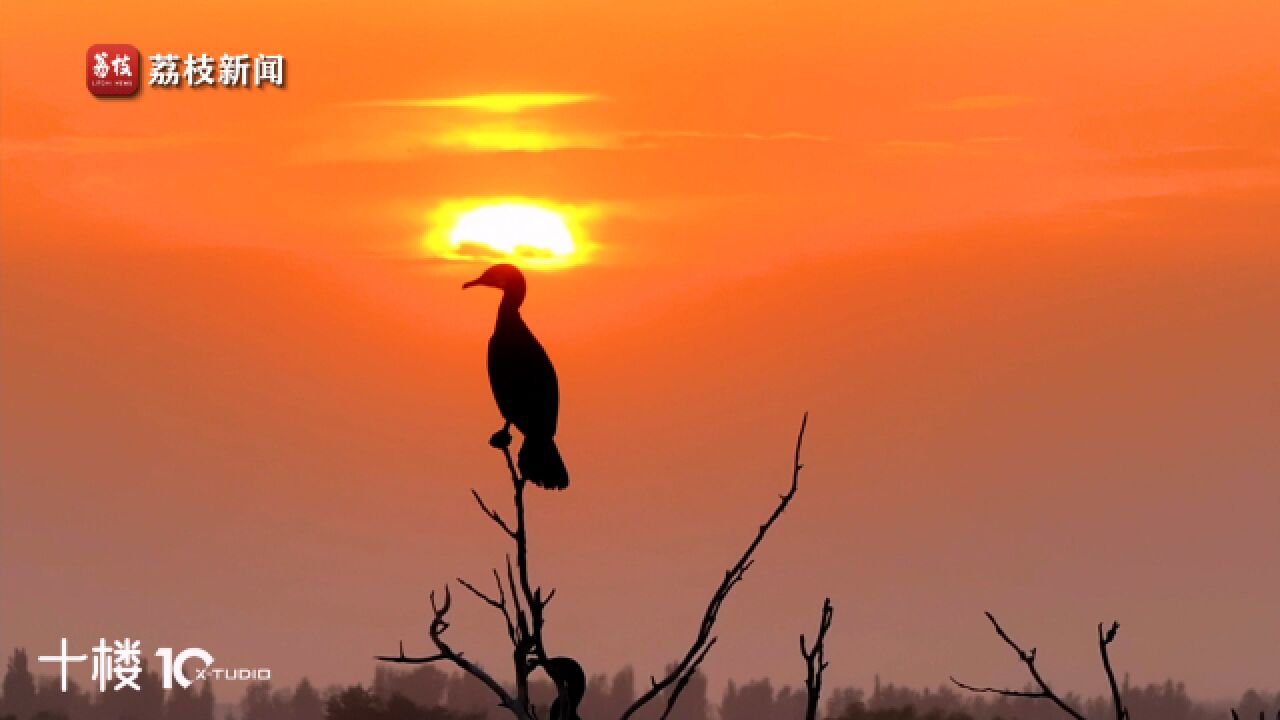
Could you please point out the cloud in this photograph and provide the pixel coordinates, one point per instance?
(514, 134)
(511, 138)
(507, 138)
(539, 141)
(656, 138)
(491, 102)
(985, 102)
(940, 147)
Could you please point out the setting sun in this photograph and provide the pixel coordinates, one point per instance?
(514, 228)
(529, 232)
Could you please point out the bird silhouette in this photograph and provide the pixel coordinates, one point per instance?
(571, 685)
(524, 383)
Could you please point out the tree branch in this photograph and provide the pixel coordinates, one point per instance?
(527, 646)
(446, 653)
(815, 661)
(682, 671)
(493, 515)
(534, 601)
(1105, 639)
(499, 604)
(685, 677)
(1028, 659)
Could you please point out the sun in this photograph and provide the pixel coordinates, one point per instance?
(514, 228)
(520, 230)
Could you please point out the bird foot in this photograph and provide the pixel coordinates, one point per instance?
(500, 439)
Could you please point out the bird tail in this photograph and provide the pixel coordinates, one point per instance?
(541, 464)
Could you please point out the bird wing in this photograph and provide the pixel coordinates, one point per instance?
(523, 380)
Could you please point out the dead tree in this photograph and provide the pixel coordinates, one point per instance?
(524, 620)
(1044, 692)
(522, 605)
(815, 661)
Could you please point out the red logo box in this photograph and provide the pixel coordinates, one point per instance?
(112, 69)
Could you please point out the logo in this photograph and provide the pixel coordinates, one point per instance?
(118, 666)
(111, 69)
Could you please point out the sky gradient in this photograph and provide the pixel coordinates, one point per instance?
(1020, 263)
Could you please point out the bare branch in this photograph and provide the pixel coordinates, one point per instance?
(478, 593)
(446, 653)
(1028, 659)
(522, 623)
(680, 673)
(816, 661)
(684, 679)
(407, 660)
(1105, 639)
(493, 515)
(998, 691)
(499, 603)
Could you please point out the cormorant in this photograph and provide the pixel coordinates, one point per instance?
(524, 383)
(571, 684)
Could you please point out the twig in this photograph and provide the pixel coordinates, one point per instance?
(446, 653)
(499, 604)
(493, 515)
(1105, 639)
(815, 661)
(1029, 659)
(678, 677)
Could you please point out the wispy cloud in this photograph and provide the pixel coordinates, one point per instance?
(491, 102)
(450, 133)
(655, 138)
(940, 147)
(508, 138)
(985, 102)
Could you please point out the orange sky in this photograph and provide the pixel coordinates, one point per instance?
(1020, 263)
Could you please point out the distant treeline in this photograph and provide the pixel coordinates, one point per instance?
(428, 693)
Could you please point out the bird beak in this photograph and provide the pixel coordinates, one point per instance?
(466, 285)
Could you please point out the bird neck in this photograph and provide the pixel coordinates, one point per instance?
(512, 299)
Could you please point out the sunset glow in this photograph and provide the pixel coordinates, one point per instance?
(1020, 261)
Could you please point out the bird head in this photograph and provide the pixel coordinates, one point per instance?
(502, 276)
